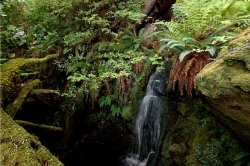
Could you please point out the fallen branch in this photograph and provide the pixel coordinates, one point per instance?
(12, 108)
(46, 95)
(43, 126)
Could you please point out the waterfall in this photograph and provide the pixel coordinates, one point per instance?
(149, 121)
(150, 140)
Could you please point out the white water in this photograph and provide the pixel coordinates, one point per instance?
(133, 160)
(148, 124)
(143, 112)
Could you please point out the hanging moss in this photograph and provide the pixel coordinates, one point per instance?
(18, 147)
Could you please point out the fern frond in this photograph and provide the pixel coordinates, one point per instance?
(105, 100)
(115, 111)
(183, 54)
(197, 17)
(227, 8)
(241, 155)
(177, 45)
(211, 49)
(141, 32)
(152, 34)
(129, 32)
(189, 39)
(176, 48)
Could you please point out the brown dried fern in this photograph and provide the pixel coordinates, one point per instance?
(184, 72)
(124, 86)
(138, 67)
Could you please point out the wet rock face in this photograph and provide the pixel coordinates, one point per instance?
(226, 84)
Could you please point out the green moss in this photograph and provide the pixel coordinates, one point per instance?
(219, 150)
(47, 127)
(201, 137)
(11, 70)
(225, 83)
(230, 69)
(12, 108)
(192, 159)
(18, 147)
(39, 92)
(127, 112)
(207, 141)
(241, 39)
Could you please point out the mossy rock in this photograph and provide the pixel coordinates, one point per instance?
(226, 84)
(18, 147)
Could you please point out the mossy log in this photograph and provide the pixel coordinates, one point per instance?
(226, 85)
(45, 95)
(11, 70)
(18, 147)
(12, 108)
(43, 126)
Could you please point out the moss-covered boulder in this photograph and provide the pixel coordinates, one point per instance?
(18, 147)
(226, 84)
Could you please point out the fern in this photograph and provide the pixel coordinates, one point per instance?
(188, 44)
(241, 155)
(105, 100)
(204, 16)
(115, 111)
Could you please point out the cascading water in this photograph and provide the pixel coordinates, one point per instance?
(148, 130)
(149, 121)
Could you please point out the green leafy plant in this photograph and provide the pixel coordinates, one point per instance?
(188, 44)
(204, 17)
(220, 152)
(193, 56)
(197, 36)
(241, 155)
(105, 100)
(127, 112)
(138, 42)
(115, 110)
(158, 61)
(55, 119)
(11, 38)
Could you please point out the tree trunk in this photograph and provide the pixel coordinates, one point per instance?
(149, 4)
